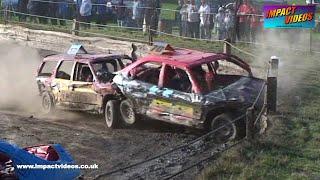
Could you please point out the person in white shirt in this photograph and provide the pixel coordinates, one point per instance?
(219, 22)
(193, 20)
(229, 24)
(184, 18)
(204, 12)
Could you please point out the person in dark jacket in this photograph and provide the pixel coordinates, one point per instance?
(101, 12)
(62, 11)
(22, 7)
(44, 11)
(53, 8)
(33, 9)
(121, 13)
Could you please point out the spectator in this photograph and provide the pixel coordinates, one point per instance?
(78, 5)
(154, 18)
(193, 20)
(244, 20)
(197, 3)
(177, 16)
(52, 11)
(137, 15)
(85, 12)
(254, 24)
(33, 8)
(22, 7)
(121, 13)
(219, 21)
(149, 11)
(63, 8)
(129, 22)
(110, 13)
(184, 18)
(101, 12)
(204, 12)
(229, 24)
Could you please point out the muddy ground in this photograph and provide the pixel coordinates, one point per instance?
(89, 141)
(85, 136)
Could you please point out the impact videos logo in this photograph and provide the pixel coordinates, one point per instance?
(286, 16)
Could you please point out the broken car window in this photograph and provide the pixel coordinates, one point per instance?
(47, 68)
(148, 72)
(64, 71)
(200, 74)
(104, 69)
(177, 79)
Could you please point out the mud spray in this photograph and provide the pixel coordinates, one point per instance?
(18, 66)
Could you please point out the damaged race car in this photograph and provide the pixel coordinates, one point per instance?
(186, 87)
(11, 157)
(78, 80)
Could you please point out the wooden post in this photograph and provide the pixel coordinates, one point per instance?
(150, 32)
(227, 47)
(75, 27)
(5, 16)
(250, 123)
(272, 85)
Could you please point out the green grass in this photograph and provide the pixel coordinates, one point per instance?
(291, 148)
(167, 14)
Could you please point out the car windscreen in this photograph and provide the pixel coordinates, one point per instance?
(47, 68)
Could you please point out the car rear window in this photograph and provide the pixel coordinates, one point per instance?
(47, 68)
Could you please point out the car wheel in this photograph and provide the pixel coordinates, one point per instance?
(111, 114)
(127, 112)
(47, 103)
(225, 129)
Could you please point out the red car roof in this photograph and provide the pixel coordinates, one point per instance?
(186, 58)
(181, 57)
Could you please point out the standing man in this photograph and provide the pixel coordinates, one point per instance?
(121, 13)
(63, 8)
(101, 13)
(244, 20)
(229, 24)
(184, 18)
(85, 12)
(137, 15)
(204, 12)
(254, 24)
(22, 7)
(193, 20)
(219, 21)
(177, 16)
(33, 9)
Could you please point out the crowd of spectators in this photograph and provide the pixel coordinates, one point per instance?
(201, 21)
(195, 18)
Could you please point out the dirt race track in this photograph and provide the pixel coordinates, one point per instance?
(89, 141)
(86, 136)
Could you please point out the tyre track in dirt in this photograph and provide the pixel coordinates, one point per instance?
(89, 141)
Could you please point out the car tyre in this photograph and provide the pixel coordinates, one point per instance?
(47, 103)
(127, 112)
(111, 114)
(225, 129)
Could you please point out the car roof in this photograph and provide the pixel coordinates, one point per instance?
(183, 58)
(83, 58)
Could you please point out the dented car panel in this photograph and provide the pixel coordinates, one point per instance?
(75, 84)
(186, 93)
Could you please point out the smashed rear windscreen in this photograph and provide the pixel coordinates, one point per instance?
(47, 68)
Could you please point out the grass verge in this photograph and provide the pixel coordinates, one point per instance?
(291, 147)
